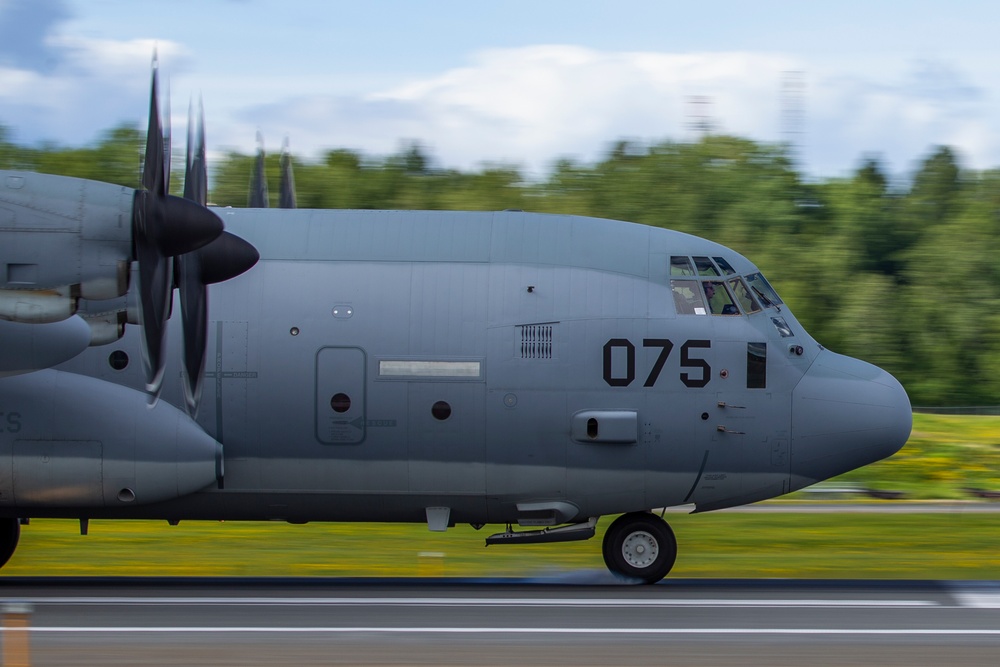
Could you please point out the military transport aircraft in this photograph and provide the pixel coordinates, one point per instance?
(412, 366)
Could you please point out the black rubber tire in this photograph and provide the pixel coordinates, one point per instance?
(640, 546)
(10, 533)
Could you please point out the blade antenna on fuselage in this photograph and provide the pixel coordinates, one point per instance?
(286, 196)
(258, 180)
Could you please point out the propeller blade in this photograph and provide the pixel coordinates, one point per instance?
(187, 268)
(258, 180)
(162, 226)
(154, 294)
(196, 170)
(152, 168)
(166, 145)
(225, 257)
(194, 316)
(286, 195)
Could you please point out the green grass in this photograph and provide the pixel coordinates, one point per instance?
(944, 455)
(954, 545)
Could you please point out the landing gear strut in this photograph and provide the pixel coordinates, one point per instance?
(10, 532)
(641, 546)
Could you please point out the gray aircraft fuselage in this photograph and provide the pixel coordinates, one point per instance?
(507, 366)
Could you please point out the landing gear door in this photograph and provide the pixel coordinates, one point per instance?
(340, 395)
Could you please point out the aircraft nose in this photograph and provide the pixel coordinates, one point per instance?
(846, 413)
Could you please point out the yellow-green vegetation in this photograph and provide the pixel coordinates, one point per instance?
(951, 545)
(944, 457)
(945, 454)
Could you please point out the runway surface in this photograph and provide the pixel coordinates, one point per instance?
(583, 620)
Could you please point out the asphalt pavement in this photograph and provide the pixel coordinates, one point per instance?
(580, 619)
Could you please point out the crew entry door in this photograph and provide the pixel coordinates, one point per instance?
(340, 395)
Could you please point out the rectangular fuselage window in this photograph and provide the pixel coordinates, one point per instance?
(756, 365)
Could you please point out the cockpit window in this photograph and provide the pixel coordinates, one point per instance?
(726, 267)
(720, 301)
(763, 290)
(681, 266)
(705, 266)
(688, 297)
(743, 296)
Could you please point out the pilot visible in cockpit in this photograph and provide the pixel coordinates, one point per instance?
(709, 292)
(721, 305)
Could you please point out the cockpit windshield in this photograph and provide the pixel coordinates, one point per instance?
(720, 301)
(743, 295)
(725, 266)
(688, 297)
(681, 266)
(705, 267)
(703, 297)
(711, 286)
(760, 287)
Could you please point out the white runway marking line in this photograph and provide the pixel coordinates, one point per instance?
(475, 602)
(979, 600)
(519, 631)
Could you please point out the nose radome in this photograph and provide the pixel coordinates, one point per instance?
(846, 413)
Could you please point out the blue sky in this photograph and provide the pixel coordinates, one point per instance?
(521, 82)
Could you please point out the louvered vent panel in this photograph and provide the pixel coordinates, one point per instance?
(536, 341)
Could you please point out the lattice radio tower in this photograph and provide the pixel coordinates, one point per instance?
(793, 113)
(699, 116)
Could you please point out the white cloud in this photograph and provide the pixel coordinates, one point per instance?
(95, 85)
(118, 60)
(531, 105)
(527, 106)
(899, 115)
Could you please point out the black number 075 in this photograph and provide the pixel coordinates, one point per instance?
(690, 379)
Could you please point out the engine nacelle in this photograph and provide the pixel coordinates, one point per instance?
(32, 347)
(73, 442)
(62, 232)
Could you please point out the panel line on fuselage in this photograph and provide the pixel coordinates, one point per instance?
(701, 471)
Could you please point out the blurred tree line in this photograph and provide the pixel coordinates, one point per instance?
(904, 276)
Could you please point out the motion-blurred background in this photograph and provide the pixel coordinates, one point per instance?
(851, 149)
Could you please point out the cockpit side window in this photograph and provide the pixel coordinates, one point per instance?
(681, 266)
(688, 297)
(705, 267)
(720, 301)
(743, 296)
(759, 286)
(726, 267)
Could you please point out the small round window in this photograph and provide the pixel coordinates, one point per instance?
(340, 402)
(441, 410)
(118, 360)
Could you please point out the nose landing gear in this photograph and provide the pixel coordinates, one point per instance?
(641, 546)
(10, 531)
